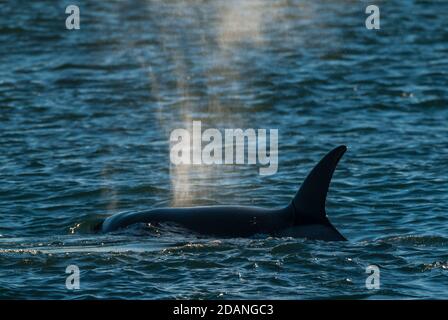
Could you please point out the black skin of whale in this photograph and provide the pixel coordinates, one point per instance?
(304, 217)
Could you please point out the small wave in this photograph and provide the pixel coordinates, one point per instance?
(415, 240)
(214, 245)
(442, 265)
(21, 251)
(288, 248)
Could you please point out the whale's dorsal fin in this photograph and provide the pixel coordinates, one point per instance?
(309, 202)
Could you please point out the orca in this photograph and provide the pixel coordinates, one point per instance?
(304, 217)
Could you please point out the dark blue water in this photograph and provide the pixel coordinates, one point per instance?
(84, 133)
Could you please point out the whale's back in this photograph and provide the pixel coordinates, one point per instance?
(226, 221)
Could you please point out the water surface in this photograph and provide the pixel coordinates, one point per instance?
(84, 133)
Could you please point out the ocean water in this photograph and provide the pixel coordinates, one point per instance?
(86, 117)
